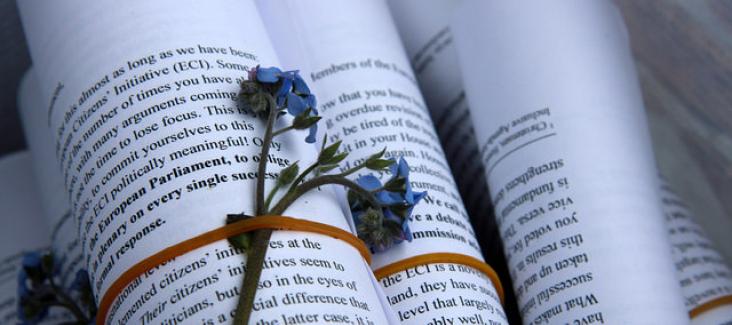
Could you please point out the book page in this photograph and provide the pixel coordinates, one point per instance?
(153, 150)
(704, 275)
(424, 30)
(24, 230)
(351, 54)
(563, 136)
(425, 33)
(54, 203)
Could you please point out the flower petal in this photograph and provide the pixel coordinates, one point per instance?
(301, 88)
(406, 232)
(403, 168)
(283, 90)
(295, 104)
(389, 198)
(369, 182)
(32, 259)
(268, 75)
(311, 138)
(311, 102)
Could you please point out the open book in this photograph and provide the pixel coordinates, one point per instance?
(133, 107)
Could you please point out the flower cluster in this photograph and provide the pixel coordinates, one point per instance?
(289, 91)
(396, 201)
(38, 291)
(381, 212)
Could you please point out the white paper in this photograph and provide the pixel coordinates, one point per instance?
(703, 273)
(23, 231)
(424, 30)
(64, 235)
(350, 53)
(559, 117)
(139, 102)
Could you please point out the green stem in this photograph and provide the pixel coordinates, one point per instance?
(260, 238)
(352, 170)
(253, 272)
(312, 167)
(263, 157)
(65, 301)
(271, 196)
(282, 130)
(316, 182)
(301, 177)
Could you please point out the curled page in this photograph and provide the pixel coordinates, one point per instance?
(704, 276)
(140, 100)
(424, 30)
(23, 230)
(425, 33)
(369, 99)
(559, 117)
(64, 235)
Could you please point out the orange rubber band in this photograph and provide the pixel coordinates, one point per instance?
(711, 304)
(233, 229)
(434, 258)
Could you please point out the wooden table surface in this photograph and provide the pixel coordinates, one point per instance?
(683, 51)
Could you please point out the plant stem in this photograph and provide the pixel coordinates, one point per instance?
(260, 238)
(271, 196)
(301, 177)
(65, 301)
(282, 130)
(352, 170)
(263, 157)
(255, 260)
(316, 182)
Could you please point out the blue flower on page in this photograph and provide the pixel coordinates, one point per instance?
(293, 93)
(298, 106)
(396, 199)
(289, 82)
(39, 290)
(81, 281)
(31, 262)
(266, 75)
(33, 292)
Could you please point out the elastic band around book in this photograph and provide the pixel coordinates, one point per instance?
(709, 305)
(434, 258)
(233, 229)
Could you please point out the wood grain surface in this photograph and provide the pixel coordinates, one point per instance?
(683, 52)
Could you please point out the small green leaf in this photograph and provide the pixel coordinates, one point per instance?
(243, 241)
(335, 159)
(328, 153)
(327, 168)
(325, 140)
(378, 164)
(353, 198)
(305, 120)
(396, 185)
(305, 123)
(288, 174)
(47, 263)
(32, 310)
(400, 209)
(378, 154)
